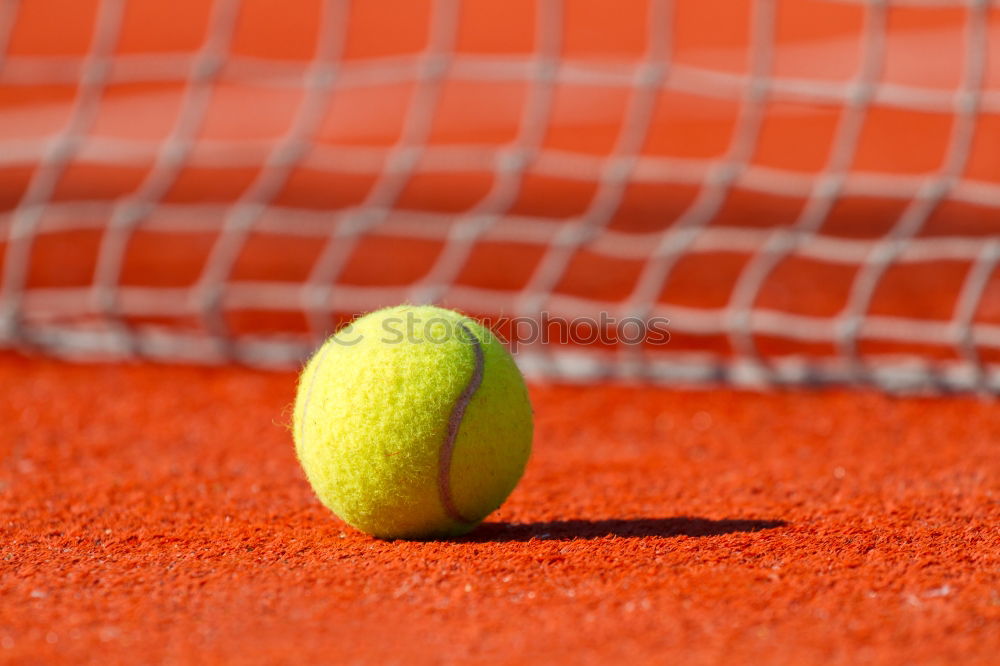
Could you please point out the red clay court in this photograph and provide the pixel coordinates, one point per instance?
(194, 195)
(159, 514)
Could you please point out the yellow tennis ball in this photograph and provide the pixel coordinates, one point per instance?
(412, 422)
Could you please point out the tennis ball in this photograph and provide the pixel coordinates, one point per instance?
(412, 422)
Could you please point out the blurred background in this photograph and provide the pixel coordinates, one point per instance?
(808, 190)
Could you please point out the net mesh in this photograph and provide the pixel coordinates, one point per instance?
(808, 190)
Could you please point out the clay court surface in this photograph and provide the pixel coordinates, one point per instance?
(157, 514)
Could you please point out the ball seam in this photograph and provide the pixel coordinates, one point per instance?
(454, 423)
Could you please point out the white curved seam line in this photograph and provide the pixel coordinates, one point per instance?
(454, 423)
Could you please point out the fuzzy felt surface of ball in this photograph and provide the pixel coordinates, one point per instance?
(412, 422)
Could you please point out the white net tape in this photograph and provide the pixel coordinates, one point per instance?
(809, 190)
